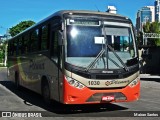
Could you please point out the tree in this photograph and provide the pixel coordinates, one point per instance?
(2, 53)
(20, 27)
(153, 27)
(146, 27)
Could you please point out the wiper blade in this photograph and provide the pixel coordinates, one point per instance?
(114, 62)
(95, 60)
(124, 65)
(101, 53)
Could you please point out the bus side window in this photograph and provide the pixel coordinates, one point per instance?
(26, 44)
(34, 40)
(8, 49)
(16, 45)
(55, 46)
(12, 48)
(44, 38)
(20, 48)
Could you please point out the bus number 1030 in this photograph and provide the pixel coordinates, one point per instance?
(94, 82)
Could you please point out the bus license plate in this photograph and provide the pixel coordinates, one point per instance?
(107, 98)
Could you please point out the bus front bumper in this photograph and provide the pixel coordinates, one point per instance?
(72, 95)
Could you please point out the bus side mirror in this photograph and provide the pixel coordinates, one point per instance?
(60, 37)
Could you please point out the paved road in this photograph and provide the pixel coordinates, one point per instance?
(25, 100)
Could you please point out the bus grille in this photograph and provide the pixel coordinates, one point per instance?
(97, 97)
(107, 76)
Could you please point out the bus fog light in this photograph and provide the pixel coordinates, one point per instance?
(134, 82)
(75, 83)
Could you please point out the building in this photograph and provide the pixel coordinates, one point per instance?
(145, 14)
(157, 10)
(152, 9)
(112, 9)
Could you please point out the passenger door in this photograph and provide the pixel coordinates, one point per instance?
(56, 68)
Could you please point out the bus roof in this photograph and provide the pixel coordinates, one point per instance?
(86, 12)
(73, 12)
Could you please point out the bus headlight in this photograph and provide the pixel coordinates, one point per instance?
(74, 83)
(134, 82)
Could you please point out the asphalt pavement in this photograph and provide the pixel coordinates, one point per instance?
(23, 100)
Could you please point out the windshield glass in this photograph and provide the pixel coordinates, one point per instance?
(86, 42)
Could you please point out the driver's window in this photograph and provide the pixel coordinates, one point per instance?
(55, 46)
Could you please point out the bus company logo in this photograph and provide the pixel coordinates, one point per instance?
(36, 66)
(107, 83)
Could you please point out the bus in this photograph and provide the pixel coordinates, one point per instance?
(77, 57)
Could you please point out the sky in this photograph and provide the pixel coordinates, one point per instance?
(14, 11)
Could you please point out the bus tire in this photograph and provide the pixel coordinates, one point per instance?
(17, 80)
(46, 92)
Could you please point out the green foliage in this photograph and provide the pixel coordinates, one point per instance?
(146, 27)
(153, 27)
(20, 27)
(2, 52)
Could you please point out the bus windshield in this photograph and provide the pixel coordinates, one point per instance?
(87, 40)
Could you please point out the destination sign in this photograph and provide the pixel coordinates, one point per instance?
(84, 22)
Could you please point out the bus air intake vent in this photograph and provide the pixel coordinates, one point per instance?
(97, 97)
(107, 76)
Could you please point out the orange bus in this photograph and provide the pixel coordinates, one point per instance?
(77, 57)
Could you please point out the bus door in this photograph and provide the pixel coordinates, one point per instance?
(56, 59)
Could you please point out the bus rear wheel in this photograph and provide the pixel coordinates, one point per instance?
(46, 93)
(17, 80)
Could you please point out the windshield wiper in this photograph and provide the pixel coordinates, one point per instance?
(114, 62)
(124, 65)
(101, 53)
(106, 49)
(95, 60)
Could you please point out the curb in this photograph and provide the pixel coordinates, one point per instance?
(149, 76)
